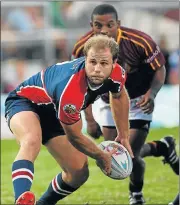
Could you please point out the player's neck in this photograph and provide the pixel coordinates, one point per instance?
(93, 86)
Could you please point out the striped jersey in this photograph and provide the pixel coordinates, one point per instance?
(65, 86)
(138, 54)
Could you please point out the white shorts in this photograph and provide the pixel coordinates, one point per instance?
(102, 112)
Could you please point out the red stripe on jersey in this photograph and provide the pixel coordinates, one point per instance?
(22, 173)
(35, 94)
(72, 99)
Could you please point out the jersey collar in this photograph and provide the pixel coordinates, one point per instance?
(118, 39)
(93, 88)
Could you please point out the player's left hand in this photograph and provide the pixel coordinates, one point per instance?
(146, 103)
(126, 144)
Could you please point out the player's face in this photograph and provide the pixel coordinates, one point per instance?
(99, 65)
(105, 24)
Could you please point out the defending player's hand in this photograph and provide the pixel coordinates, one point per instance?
(126, 144)
(146, 103)
(104, 161)
(94, 130)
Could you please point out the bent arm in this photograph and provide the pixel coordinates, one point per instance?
(157, 82)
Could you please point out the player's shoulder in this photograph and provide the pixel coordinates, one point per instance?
(118, 67)
(118, 71)
(80, 43)
(72, 64)
(85, 36)
(136, 35)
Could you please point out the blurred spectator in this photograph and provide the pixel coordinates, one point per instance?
(25, 20)
(59, 13)
(174, 62)
(77, 13)
(58, 16)
(164, 48)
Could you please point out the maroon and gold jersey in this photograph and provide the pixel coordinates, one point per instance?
(138, 54)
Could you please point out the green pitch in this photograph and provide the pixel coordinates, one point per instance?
(161, 184)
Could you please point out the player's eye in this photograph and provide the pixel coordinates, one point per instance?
(104, 63)
(93, 62)
(98, 25)
(110, 25)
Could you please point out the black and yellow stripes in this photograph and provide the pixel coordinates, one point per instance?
(141, 41)
(119, 36)
(80, 44)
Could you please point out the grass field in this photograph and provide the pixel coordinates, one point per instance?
(161, 184)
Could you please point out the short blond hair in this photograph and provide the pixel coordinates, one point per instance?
(101, 42)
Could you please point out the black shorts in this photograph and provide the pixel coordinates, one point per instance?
(140, 124)
(51, 127)
(136, 124)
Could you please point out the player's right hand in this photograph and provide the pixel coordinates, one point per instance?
(104, 161)
(93, 129)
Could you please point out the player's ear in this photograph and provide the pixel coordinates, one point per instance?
(91, 24)
(118, 23)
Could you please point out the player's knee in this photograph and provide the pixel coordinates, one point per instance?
(77, 175)
(31, 142)
(81, 174)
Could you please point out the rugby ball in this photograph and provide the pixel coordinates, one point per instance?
(121, 164)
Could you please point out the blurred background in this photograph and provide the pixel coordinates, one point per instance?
(35, 35)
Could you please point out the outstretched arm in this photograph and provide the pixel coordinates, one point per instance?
(120, 110)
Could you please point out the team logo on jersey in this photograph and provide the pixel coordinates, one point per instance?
(153, 56)
(70, 109)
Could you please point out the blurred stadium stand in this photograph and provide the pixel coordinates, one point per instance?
(37, 34)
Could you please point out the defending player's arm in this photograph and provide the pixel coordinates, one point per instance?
(147, 103)
(156, 62)
(120, 110)
(93, 128)
(158, 80)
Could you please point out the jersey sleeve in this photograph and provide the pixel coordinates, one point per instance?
(118, 77)
(68, 113)
(68, 107)
(153, 54)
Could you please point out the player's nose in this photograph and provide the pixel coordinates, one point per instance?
(97, 68)
(104, 31)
